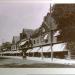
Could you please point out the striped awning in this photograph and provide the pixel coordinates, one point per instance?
(11, 52)
(29, 50)
(44, 49)
(35, 49)
(22, 43)
(56, 48)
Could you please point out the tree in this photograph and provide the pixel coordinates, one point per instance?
(64, 15)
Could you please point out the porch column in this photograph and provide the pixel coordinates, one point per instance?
(69, 54)
(33, 54)
(42, 53)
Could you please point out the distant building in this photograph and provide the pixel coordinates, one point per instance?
(25, 36)
(25, 40)
(15, 41)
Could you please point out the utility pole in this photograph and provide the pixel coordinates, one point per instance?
(42, 44)
(51, 36)
(42, 53)
(41, 47)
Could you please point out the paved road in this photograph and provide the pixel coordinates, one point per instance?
(12, 62)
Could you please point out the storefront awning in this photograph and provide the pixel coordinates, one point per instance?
(44, 49)
(11, 52)
(29, 50)
(22, 43)
(35, 49)
(58, 47)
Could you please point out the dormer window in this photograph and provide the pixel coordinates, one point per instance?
(57, 33)
(43, 29)
(46, 36)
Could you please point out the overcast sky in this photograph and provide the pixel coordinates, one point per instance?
(16, 16)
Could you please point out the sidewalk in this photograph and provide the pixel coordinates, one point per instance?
(55, 60)
(45, 60)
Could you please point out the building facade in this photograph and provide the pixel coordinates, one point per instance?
(45, 34)
(15, 41)
(45, 40)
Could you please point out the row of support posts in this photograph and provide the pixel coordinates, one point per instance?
(51, 40)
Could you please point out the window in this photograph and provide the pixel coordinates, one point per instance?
(46, 40)
(41, 39)
(46, 37)
(37, 40)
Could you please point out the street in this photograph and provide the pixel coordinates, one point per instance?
(13, 62)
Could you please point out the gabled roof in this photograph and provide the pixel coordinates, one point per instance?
(28, 32)
(47, 24)
(35, 33)
(50, 22)
(15, 39)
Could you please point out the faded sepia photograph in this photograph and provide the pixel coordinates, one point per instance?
(37, 35)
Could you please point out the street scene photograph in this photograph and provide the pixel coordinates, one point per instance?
(37, 35)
